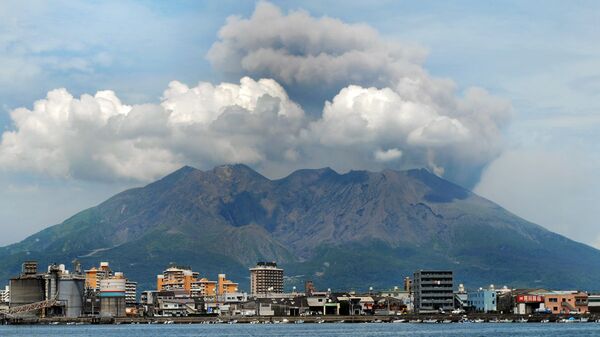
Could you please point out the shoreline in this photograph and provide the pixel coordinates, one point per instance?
(400, 319)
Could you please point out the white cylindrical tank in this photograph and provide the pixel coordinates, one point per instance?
(112, 297)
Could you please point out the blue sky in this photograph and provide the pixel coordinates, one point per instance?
(542, 57)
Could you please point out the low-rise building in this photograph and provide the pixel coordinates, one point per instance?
(482, 300)
(528, 301)
(565, 302)
(594, 303)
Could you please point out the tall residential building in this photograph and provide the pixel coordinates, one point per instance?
(266, 278)
(130, 293)
(433, 291)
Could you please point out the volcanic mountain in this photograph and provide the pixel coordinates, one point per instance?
(351, 230)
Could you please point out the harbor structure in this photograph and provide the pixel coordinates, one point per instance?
(433, 291)
(266, 278)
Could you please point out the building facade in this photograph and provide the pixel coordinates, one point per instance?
(5, 295)
(266, 278)
(433, 291)
(130, 293)
(482, 300)
(565, 302)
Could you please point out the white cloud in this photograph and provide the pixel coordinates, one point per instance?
(410, 120)
(99, 137)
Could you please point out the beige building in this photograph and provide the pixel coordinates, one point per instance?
(266, 278)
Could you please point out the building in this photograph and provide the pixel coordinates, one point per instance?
(130, 293)
(94, 275)
(524, 301)
(594, 303)
(183, 278)
(177, 278)
(226, 286)
(482, 300)
(5, 294)
(265, 277)
(433, 291)
(203, 288)
(565, 302)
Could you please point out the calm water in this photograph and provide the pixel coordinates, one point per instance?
(304, 330)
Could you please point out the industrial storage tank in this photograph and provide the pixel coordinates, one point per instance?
(27, 290)
(112, 296)
(70, 294)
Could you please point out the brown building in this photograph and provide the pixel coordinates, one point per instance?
(266, 278)
(564, 302)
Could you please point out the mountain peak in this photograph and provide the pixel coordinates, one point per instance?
(236, 172)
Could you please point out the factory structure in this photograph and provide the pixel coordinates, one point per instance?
(58, 292)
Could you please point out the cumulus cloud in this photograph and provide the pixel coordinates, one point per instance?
(386, 112)
(99, 137)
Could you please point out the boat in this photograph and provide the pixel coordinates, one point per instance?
(446, 321)
(399, 321)
(430, 320)
(522, 320)
(584, 319)
(320, 321)
(415, 321)
(478, 320)
(545, 321)
(506, 320)
(299, 321)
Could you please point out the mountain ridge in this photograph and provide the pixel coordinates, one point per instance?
(355, 229)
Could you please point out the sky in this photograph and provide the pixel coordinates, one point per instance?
(500, 97)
